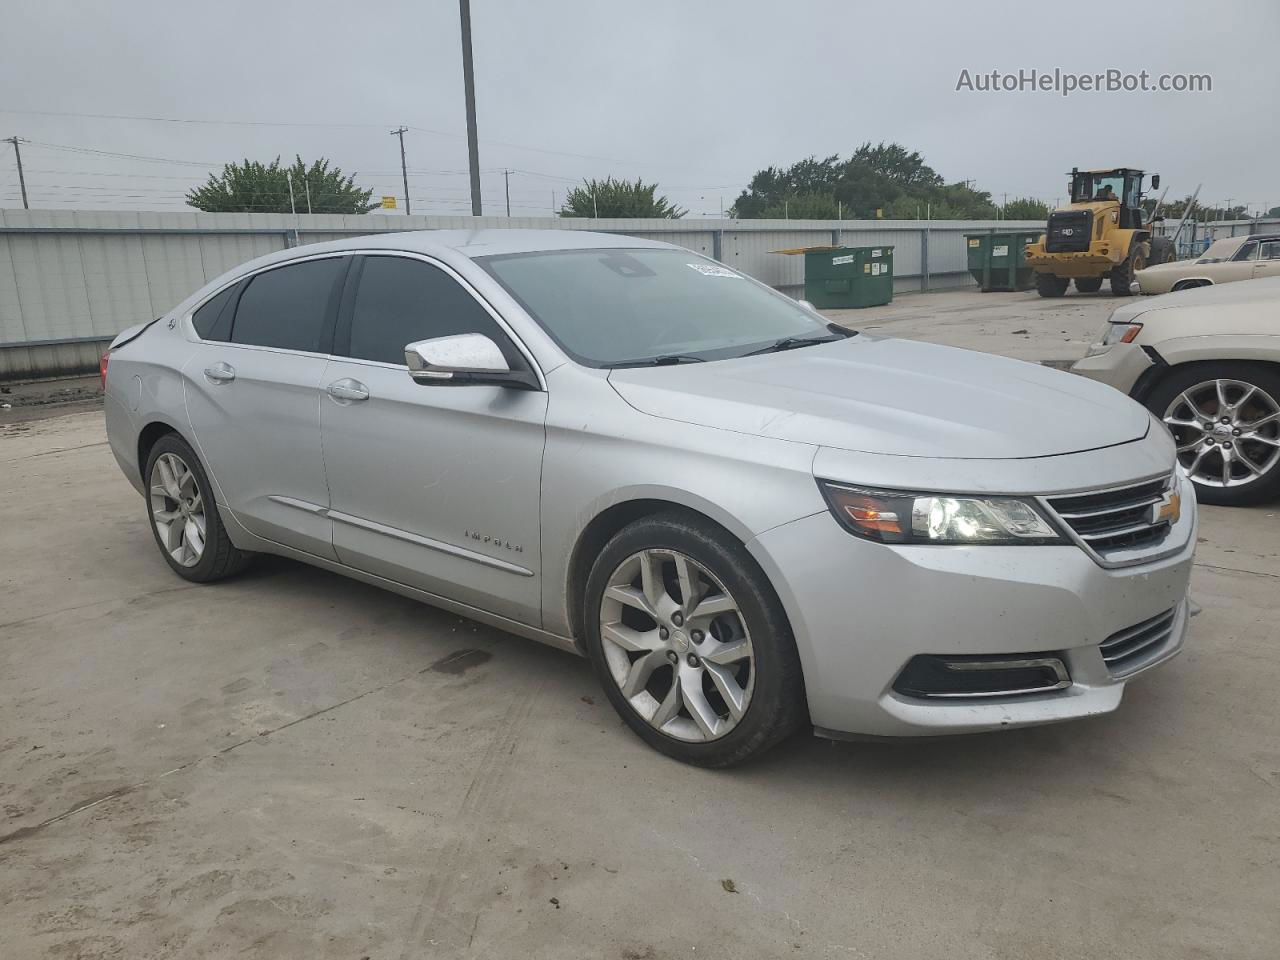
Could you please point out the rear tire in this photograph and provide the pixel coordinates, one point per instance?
(184, 517)
(1088, 284)
(711, 689)
(1162, 251)
(1189, 402)
(1047, 285)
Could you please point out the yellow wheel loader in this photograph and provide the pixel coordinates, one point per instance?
(1099, 236)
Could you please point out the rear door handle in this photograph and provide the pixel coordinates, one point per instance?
(220, 372)
(346, 390)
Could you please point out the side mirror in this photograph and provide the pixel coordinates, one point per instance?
(465, 359)
(1155, 181)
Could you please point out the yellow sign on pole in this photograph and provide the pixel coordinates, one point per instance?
(388, 203)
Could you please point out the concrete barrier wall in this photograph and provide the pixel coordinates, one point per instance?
(72, 280)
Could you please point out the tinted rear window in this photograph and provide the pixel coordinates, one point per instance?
(286, 307)
(206, 318)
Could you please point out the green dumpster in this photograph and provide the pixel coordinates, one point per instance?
(998, 260)
(840, 277)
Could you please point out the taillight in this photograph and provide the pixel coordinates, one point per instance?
(102, 368)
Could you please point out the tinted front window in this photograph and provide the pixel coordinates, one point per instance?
(206, 319)
(1247, 252)
(614, 306)
(400, 301)
(286, 307)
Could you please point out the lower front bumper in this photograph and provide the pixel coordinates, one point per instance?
(860, 611)
(1119, 365)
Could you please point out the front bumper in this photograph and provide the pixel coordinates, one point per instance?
(1119, 365)
(861, 610)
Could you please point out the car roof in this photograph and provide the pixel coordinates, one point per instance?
(474, 243)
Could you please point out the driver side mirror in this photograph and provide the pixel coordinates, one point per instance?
(465, 359)
(1155, 181)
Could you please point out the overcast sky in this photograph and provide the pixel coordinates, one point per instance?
(696, 95)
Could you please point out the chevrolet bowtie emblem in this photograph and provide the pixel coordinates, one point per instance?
(1168, 510)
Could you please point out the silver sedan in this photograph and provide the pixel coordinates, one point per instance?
(750, 520)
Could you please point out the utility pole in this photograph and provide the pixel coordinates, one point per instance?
(22, 181)
(306, 184)
(506, 182)
(469, 92)
(404, 170)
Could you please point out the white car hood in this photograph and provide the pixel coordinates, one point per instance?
(895, 397)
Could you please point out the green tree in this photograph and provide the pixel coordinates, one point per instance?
(1025, 208)
(881, 177)
(254, 187)
(619, 198)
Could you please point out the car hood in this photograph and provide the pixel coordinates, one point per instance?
(896, 397)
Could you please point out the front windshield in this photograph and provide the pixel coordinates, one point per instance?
(1098, 187)
(1220, 250)
(612, 306)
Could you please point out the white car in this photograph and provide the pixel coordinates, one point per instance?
(1207, 362)
(1225, 261)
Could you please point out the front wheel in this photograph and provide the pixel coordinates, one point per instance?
(1047, 285)
(1225, 420)
(1122, 275)
(690, 642)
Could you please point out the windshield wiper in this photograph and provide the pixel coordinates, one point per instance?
(666, 360)
(790, 343)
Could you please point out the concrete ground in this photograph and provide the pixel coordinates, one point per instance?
(294, 765)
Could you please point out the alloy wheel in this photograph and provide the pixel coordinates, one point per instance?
(676, 645)
(1227, 432)
(177, 509)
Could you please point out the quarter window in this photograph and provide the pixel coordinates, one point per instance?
(286, 307)
(209, 320)
(400, 301)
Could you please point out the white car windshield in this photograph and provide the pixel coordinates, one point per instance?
(610, 307)
(1220, 250)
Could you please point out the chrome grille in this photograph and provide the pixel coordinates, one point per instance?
(1134, 647)
(1121, 524)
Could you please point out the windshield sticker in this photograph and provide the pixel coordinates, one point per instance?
(875, 253)
(838, 260)
(711, 270)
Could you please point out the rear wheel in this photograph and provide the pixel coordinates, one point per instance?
(691, 643)
(1122, 275)
(1047, 285)
(1088, 284)
(184, 517)
(1225, 420)
(1162, 251)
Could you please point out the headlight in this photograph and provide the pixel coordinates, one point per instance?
(1120, 333)
(893, 516)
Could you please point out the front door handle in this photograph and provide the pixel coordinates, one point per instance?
(220, 372)
(347, 389)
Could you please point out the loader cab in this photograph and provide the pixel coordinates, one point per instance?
(1122, 185)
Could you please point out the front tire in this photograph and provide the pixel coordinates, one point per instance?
(1047, 285)
(1122, 275)
(184, 517)
(690, 642)
(1225, 420)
